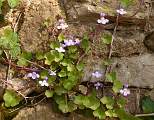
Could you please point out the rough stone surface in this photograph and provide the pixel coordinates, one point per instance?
(85, 10)
(24, 87)
(2, 78)
(44, 112)
(32, 36)
(128, 43)
(136, 70)
(149, 41)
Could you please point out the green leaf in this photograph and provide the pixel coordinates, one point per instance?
(43, 74)
(72, 49)
(121, 102)
(99, 112)
(111, 76)
(85, 43)
(108, 101)
(65, 62)
(58, 56)
(49, 93)
(49, 58)
(61, 37)
(11, 99)
(124, 116)
(68, 85)
(67, 107)
(117, 85)
(54, 44)
(24, 56)
(62, 73)
(147, 104)
(70, 67)
(107, 39)
(109, 113)
(39, 55)
(91, 102)
(79, 99)
(126, 2)
(59, 90)
(9, 40)
(80, 66)
(13, 3)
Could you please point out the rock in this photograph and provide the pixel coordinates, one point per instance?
(2, 78)
(128, 42)
(136, 70)
(88, 9)
(1, 115)
(24, 87)
(44, 112)
(149, 41)
(32, 35)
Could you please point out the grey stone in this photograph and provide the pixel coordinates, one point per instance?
(32, 35)
(136, 70)
(45, 112)
(77, 9)
(3, 70)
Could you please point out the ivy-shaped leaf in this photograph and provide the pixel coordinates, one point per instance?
(111, 77)
(85, 43)
(99, 113)
(61, 37)
(13, 3)
(22, 60)
(9, 40)
(49, 58)
(80, 66)
(49, 93)
(11, 99)
(108, 101)
(117, 85)
(126, 2)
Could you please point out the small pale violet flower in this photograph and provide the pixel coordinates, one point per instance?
(44, 83)
(33, 75)
(121, 11)
(98, 85)
(61, 49)
(102, 14)
(125, 91)
(103, 21)
(69, 42)
(52, 73)
(97, 74)
(61, 24)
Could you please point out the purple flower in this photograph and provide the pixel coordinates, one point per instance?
(97, 74)
(102, 19)
(98, 85)
(33, 75)
(44, 83)
(61, 24)
(125, 91)
(52, 73)
(60, 49)
(121, 11)
(69, 42)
